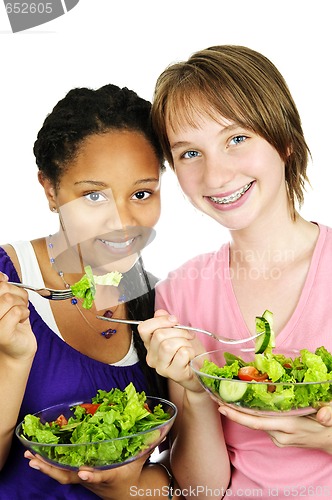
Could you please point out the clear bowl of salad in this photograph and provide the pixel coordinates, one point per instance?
(110, 430)
(280, 383)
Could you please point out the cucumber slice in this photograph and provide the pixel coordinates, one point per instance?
(231, 391)
(269, 316)
(261, 343)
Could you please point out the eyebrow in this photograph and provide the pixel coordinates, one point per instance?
(147, 180)
(94, 183)
(226, 129)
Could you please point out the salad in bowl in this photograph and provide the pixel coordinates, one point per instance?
(260, 381)
(112, 429)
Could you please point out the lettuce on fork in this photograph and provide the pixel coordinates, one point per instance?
(85, 288)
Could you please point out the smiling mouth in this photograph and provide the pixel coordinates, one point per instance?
(225, 200)
(118, 245)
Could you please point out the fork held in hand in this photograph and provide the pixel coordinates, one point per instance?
(219, 338)
(47, 293)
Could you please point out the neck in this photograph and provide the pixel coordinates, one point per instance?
(105, 303)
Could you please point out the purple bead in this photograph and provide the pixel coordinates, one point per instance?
(108, 333)
(108, 314)
(74, 302)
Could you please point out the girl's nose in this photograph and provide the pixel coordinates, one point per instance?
(122, 219)
(217, 171)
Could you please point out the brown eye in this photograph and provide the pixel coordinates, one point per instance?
(142, 195)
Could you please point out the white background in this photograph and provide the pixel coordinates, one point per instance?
(128, 43)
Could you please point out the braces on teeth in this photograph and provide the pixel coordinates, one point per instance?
(233, 197)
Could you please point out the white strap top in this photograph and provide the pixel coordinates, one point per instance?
(31, 274)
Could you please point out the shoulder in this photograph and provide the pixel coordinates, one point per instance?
(9, 262)
(328, 231)
(10, 251)
(20, 253)
(325, 237)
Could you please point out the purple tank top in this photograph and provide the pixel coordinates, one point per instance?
(59, 373)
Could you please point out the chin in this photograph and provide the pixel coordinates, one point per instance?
(233, 222)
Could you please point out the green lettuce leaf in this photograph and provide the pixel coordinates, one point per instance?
(85, 288)
(121, 413)
(306, 370)
(267, 363)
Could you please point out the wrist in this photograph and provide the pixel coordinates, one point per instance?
(194, 398)
(15, 367)
(155, 479)
(170, 480)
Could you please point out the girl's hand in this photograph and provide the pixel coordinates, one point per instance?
(120, 483)
(303, 432)
(16, 337)
(170, 350)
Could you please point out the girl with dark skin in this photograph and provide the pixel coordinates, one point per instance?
(100, 166)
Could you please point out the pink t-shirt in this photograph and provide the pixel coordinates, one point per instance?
(200, 293)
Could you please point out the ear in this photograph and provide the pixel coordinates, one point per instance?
(50, 191)
(289, 150)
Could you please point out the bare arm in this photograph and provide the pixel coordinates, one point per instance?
(199, 457)
(17, 349)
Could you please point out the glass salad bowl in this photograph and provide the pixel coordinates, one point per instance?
(102, 440)
(274, 383)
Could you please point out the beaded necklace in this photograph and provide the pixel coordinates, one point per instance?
(107, 334)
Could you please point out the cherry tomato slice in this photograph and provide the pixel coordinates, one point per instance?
(61, 420)
(90, 407)
(249, 373)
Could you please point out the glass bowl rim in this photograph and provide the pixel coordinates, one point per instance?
(249, 350)
(105, 441)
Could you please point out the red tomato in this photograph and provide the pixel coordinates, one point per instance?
(61, 420)
(251, 373)
(90, 407)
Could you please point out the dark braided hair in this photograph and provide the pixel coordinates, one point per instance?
(84, 112)
(81, 113)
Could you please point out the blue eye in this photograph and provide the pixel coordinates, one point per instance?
(238, 139)
(95, 197)
(190, 154)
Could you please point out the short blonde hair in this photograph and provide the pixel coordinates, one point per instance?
(244, 86)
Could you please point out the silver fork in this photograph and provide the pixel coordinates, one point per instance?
(219, 338)
(47, 293)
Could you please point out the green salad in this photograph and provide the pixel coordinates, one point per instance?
(110, 415)
(85, 288)
(286, 383)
